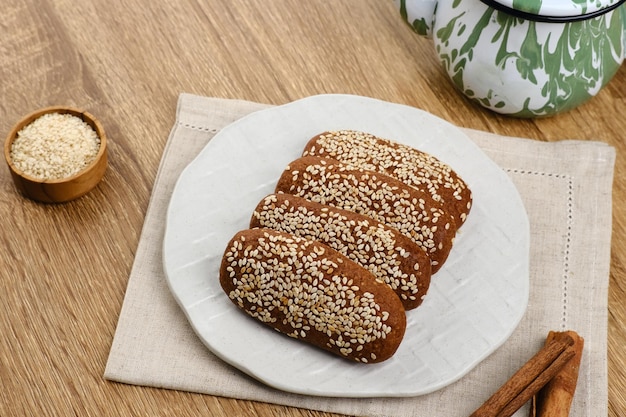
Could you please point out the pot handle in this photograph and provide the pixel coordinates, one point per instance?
(419, 14)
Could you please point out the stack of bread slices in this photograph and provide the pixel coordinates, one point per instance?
(347, 243)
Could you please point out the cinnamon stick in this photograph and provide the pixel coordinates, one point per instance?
(529, 379)
(555, 398)
(533, 407)
(542, 379)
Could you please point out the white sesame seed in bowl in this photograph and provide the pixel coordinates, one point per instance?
(56, 154)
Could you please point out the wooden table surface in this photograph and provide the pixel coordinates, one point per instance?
(64, 268)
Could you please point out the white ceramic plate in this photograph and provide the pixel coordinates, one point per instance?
(474, 303)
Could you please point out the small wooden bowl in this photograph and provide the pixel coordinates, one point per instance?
(64, 189)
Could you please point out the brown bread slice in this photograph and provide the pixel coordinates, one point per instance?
(386, 199)
(392, 257)
(412, 166)
(311, 292)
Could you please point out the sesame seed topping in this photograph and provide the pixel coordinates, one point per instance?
(284, 281)
(377, 196)
(371, 244)
(413, 167)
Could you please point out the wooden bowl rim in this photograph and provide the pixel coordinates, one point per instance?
(29, 118)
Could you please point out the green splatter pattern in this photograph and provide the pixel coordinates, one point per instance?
(521, 67)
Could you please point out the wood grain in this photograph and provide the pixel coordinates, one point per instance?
(64, 268)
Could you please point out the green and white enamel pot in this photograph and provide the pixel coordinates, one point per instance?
(524, 58)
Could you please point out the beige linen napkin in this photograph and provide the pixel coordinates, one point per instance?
(566, 189)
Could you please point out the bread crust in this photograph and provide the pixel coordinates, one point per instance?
(384, 198)
(411, 166)
(390, 256)
(310, 292)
